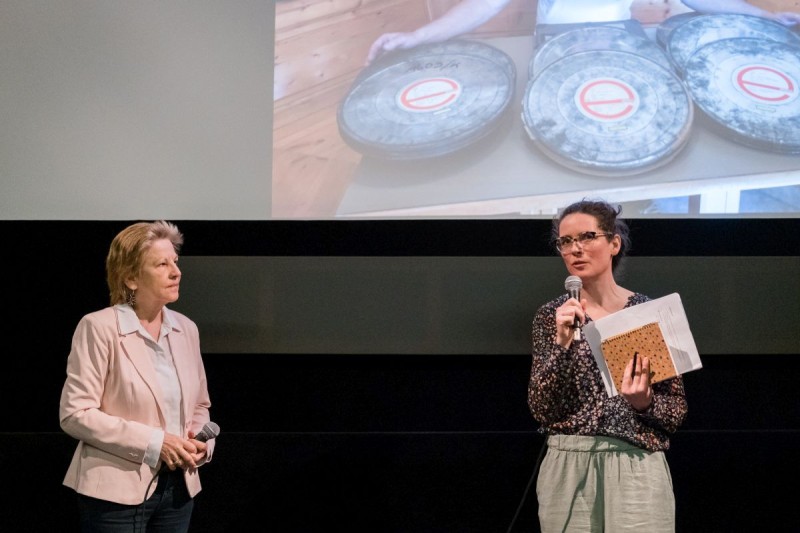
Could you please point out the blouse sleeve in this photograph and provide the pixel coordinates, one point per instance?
(551, 369)
(669, 407)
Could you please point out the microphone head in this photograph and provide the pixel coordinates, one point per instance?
(573, 283)
(209, 431)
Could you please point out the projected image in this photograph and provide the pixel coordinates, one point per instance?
(665, 108)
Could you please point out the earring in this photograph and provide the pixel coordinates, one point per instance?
(131, 298)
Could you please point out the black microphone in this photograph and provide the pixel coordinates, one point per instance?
(573, 285)
(210, 431)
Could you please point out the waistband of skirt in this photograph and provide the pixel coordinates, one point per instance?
(582, 443)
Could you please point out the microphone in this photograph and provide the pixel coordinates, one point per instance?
(573, 285)
(210, 430)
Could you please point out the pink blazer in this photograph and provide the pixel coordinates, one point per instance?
(111, 401)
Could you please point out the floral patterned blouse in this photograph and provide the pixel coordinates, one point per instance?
(566, 394)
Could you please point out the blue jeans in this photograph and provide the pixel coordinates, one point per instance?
(168, 510)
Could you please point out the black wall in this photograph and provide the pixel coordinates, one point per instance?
(396, 442)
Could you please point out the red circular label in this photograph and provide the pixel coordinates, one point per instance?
(430, 94)
(765, 84)
(607, 99)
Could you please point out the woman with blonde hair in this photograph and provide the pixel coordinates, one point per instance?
(135, 395)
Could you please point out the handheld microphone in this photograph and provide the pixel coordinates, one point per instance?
(210, 430)
(573, 284)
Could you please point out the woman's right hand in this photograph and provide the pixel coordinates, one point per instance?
(565, 320)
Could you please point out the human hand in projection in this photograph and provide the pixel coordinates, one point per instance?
(463, 17)
(787, 18)
(742, 7)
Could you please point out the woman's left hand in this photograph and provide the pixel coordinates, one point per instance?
(636, 383)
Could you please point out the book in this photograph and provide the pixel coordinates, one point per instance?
(643, 341)
(633, 327)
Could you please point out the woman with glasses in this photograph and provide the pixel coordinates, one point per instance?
(605, 468)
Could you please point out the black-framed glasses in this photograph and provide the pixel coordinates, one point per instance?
(584, 238)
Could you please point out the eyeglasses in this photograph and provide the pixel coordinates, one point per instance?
(564, 243)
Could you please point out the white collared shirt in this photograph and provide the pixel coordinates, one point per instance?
(164, 365)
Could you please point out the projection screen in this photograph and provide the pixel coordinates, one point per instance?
(254, 110)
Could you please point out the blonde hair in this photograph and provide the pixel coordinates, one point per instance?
(126, 254)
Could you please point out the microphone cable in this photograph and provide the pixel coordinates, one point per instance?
(142, 505)
(210, 431)
(528, 487)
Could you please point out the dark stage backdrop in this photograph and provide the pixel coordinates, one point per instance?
(435, 287)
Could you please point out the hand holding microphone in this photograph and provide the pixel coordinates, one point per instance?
(175, 447)
(210, 431)
(573, 285)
